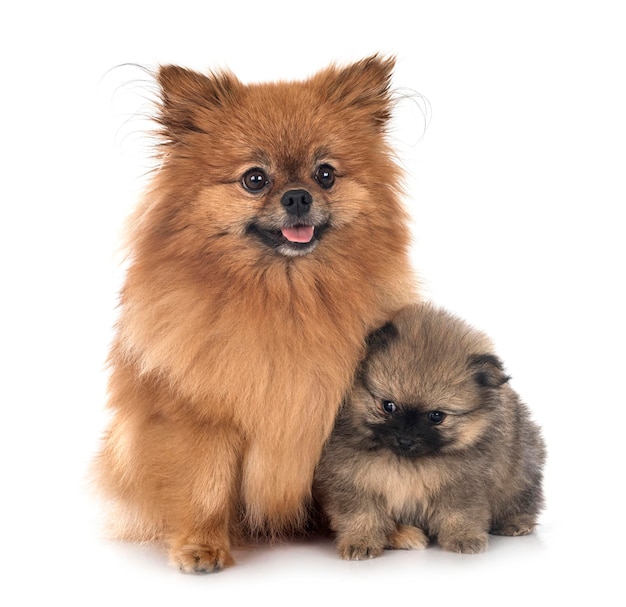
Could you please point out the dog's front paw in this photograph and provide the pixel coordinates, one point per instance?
(465, 545)
(194, 558)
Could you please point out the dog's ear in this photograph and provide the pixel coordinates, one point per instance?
(188, 99)
(381, 337)
(488, 370)
(363, 85)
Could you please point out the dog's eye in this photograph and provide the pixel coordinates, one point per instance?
(388, 406)
(436, 417)
(325, 176)
(254, 180)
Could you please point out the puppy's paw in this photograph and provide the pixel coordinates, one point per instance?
(407, 537)
(465, 545)
(519, 525)
(359, 550)
(194, 558)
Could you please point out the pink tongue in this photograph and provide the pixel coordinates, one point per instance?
(298, 234)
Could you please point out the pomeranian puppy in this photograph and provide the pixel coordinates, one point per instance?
(431, 443)
(270, 243)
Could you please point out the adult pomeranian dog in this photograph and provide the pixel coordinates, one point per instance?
(270, 242)
(432, 443)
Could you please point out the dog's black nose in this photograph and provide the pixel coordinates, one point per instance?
(297, 202)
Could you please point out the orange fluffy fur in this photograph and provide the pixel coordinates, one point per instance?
(231, 359)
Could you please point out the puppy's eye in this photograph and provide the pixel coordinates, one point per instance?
(254, 180)
(436, 417)
(388, 406)
(325, 176)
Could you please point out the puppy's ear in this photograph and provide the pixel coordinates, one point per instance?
(381, 337)
(187, 97)
(363, 85)
(488, 370)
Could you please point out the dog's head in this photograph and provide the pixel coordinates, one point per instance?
(275, 169)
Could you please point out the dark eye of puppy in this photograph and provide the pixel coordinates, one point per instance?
(325, 176)
(254, 180)
(436, 417)
(388, 406)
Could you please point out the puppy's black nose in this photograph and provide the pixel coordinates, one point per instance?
(297, 202)
(405, 443)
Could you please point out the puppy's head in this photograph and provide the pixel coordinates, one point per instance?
(430, 384)
(275, 168)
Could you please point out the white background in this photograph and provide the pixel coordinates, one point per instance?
(516, 190)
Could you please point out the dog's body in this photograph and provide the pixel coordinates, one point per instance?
(431, 443)
(270, 243)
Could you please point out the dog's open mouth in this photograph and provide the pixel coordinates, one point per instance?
(291, 240)
(299, 234)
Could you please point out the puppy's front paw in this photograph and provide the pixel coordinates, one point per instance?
(465, 545)
(359, 550)
(194, 558)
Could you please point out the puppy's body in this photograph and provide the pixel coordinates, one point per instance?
(431, 442)
(269, 244)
